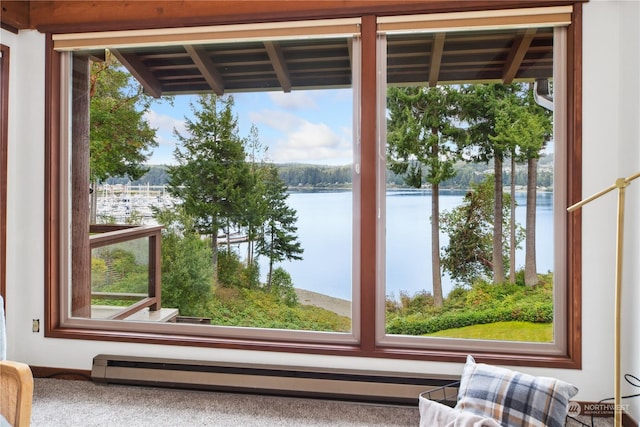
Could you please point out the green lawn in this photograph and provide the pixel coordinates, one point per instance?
(505, 331)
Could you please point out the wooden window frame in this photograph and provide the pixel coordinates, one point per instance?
(367, 346)
(4, 144)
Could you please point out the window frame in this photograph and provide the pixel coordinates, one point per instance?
(55, 204)
(4, 151)
(559, 344)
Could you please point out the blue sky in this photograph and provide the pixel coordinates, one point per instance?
(313, 126)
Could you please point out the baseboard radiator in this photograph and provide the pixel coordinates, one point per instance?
(356, 385)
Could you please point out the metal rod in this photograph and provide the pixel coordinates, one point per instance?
(617, 410)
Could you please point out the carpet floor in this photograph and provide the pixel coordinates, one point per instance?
(64, 403)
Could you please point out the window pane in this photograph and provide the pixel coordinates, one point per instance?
(252, 186)
(455, 140)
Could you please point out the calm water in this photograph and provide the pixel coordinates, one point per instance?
(324, 230)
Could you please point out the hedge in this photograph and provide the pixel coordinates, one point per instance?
(541, 312)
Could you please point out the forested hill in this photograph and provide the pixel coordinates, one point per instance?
(308, 175)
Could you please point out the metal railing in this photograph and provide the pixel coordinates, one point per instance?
(105, 235)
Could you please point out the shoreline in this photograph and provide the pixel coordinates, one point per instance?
(338, 305)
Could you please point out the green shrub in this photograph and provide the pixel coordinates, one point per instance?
(415, 325)
(282, 287)
(480, 304)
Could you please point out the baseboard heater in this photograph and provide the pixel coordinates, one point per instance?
(356, 385)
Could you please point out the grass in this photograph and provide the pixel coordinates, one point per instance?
(520, 308)
(503, 331)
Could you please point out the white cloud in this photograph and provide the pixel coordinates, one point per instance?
(165, 125)
(300, 140)
(275, 119)
(163, 153)
(313, 143)
(293, 100)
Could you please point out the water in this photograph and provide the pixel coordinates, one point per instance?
(325, 232)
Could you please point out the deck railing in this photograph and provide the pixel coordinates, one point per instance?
(106, 235)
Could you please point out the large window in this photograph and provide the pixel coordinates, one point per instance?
(471, 211)
(326, 238)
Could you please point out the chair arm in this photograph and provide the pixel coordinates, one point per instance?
(16, 383)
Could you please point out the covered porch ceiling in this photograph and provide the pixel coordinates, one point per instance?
(430, 59)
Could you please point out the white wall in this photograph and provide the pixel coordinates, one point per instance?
(610, 150)
(627, 126)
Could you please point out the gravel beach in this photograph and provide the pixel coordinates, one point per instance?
(337, 305)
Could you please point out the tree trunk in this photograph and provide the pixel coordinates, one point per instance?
(227, 230)
(270, 260)
(512, 223)
(530, 268)
(497, 259)
(249, 249)
(435, 246)
(214, 256)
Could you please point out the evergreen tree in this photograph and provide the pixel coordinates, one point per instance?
(422, 135)
(524, 127)
(279, 241)
(255, 203)
(537, 129)
(210, 175)
(480, 107)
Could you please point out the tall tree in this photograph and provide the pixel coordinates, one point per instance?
(536, 130)
(255, 202)
(525, 127)
(279, 241)
(422, 132)
(507, 134)
(480, 108)
(210, 173)
(120, 136)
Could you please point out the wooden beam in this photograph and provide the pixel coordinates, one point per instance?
(135, 66)
(15, 15)
(207, 68)
(516, 55)
(279, 64)
(80, 249)
(72, 15)
(436, 58)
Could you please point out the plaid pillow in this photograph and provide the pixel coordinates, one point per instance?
(513, 398)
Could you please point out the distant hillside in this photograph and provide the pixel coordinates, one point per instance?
(323, 176)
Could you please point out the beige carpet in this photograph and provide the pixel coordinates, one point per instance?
(64, 403)
(60, 403)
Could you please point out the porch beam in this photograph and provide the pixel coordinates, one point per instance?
(137, 68)
(516, 55)
(436, 58)
(207, 67)
(279, 64)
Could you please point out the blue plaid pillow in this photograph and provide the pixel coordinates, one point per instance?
(513, 398)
